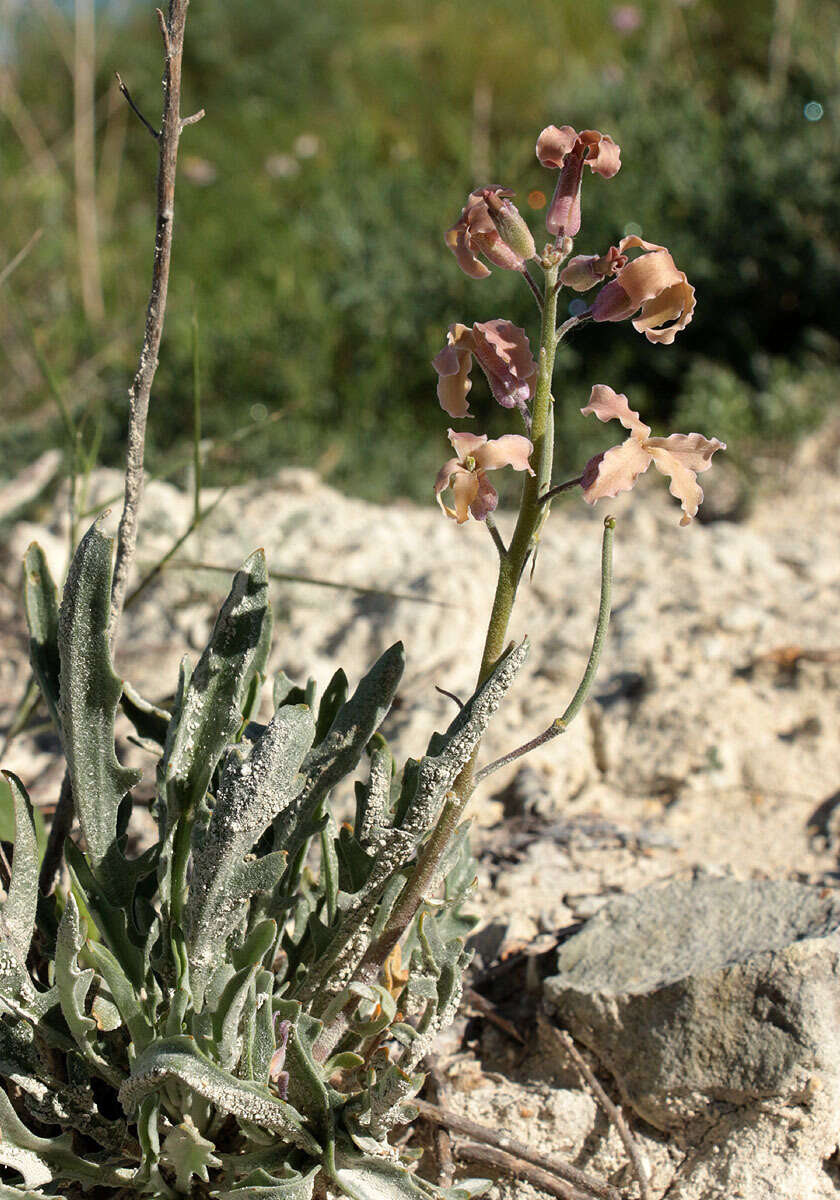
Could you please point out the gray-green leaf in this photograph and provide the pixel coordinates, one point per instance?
(40, 605)
(210, 712)
(17, 918)
(179, 1059)
(89, 695)
(253, 789)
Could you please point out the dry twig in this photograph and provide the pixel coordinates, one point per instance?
(612, 1110)
(488, 1156)
(484, 1008)
(519, 1153)
(172, 32)
(441, 1138)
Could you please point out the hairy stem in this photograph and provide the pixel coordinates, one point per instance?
(511, 565)
(560, 724)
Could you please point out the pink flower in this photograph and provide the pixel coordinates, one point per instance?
(567, 151)
(682, 456)
(651, 283)
(504, 354)
(466, 473)
(490, 225)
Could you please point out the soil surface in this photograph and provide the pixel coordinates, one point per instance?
(709, 745)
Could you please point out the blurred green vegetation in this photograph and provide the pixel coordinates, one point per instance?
(341, 139)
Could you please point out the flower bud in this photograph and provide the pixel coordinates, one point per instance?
(510, 224)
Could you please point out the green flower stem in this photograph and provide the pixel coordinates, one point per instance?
(560, 724)
(512, 564)
(180, 858)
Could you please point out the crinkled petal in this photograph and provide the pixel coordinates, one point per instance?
(554, 144)
(608, 405)
(634, 242)
(683, 484)
(612, 303)
(615, 471)
(453, 366)
(510, 450)
(604, 155)
(504, 354)
(464, 491)
(648, 275)
(466, 443)
(675, 304)
(691, 450)
(486, 498)
(446, 472)
(458, 242)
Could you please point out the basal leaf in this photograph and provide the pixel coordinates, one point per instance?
(338, 753)
(252, 790)
(179, 1059)
(17, 917)
(73, 986)
(210, 712)
(41, 1160)
(40, 606)
(261, 1185)
(89, 695)
(150, 721)
(362, 1177)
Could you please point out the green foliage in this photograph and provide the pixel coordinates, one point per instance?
(317, 274)
(223, 990)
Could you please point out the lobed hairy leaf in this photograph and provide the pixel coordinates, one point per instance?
(17, 916)
(178, 1059)
(88, 699)
(209, 713)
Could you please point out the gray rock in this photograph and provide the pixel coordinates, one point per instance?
(703, 995)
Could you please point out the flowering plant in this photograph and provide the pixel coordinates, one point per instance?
(648, 287)
(243, 1010)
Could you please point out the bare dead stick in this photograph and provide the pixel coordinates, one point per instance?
(612, 1110)
(488, 1156)
(518, 1150)
(442, 1140)
(172, 32)
(484, 1008)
